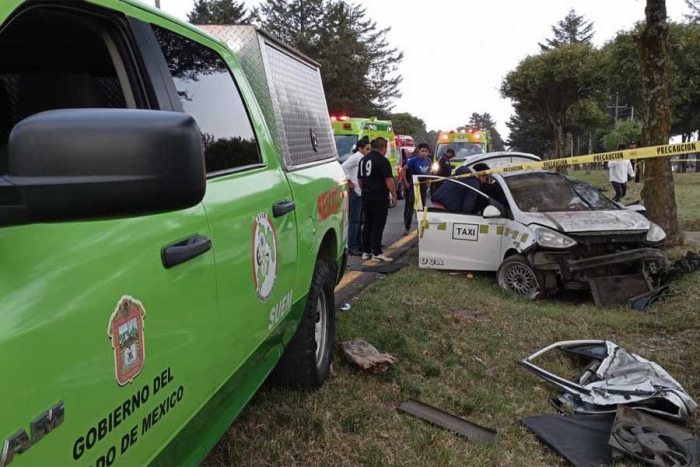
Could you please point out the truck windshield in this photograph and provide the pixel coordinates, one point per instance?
(462, 149)
(553, 192)
(345, 145)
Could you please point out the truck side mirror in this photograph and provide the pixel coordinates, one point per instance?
(85, 164)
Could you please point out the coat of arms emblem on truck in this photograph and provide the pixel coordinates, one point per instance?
(264, 256)
(126, 332)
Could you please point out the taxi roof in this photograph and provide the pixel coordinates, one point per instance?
(501, 159)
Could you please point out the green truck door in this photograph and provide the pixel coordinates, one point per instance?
(94, 328)
(248, 200)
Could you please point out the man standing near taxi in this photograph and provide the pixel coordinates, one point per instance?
(377, 182)
(351, 167)
(417, 165)
(444, 170)
(620, 173)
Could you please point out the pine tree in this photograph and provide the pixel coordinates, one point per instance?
(296, 22)
(572, 29)
(359, 68)
(485, 122)
(219, 12)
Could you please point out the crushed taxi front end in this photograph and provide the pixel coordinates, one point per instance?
(615, 266)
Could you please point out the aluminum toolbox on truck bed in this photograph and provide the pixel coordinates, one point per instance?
(289, 90)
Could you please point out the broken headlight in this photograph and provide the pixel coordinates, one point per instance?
(552, 239)
(655, 234)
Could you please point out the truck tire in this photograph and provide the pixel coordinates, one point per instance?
(306, 362)
(517, 275)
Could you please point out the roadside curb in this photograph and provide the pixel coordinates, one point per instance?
(355, 281)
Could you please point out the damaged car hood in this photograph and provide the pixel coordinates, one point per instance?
(590, 221)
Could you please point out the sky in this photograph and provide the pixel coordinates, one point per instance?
(457, 52)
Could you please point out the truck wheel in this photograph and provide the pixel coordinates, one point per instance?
(306, 362)
(517, 275)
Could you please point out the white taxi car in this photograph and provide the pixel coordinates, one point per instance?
(548, 232)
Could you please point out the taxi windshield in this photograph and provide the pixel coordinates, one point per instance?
(462, 149)
(345, 144)
(553, 192)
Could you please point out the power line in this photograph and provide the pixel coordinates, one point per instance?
(617, 107)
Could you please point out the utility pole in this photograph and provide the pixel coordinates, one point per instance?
(632, 113)
(158, 4)
(617, 107)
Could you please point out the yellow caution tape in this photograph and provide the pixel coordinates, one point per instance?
(636, 154)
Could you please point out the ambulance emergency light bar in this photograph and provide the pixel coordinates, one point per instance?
(475, 133)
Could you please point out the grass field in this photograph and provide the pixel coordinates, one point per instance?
(687, 194)
(458, 341)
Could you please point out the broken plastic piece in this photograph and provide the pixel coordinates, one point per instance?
(367, 357)
(346, 307)
(619, 377)
(643, 301)
(580, 439)
(470, 430)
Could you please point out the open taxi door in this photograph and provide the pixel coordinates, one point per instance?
(452, 241)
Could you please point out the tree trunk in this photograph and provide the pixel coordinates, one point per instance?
(659, 191)
(560, 146)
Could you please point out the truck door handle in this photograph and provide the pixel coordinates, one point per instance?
(283, 207)
(183, 251)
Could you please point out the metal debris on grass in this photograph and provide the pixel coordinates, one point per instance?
(651, 440)
(367, 357)
(435, 416)
(611, 376)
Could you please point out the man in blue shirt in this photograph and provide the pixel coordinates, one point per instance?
(417, 165)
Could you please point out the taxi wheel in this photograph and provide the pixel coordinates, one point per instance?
(306, 362)
(517, 275)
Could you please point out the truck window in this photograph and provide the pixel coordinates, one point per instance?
(57, 58)
(209, 94)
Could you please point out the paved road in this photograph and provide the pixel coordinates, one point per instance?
(396, 244)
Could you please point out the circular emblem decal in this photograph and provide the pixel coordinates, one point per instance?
(314, 139)
(264, 256)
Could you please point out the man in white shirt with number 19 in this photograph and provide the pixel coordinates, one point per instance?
(350, 166)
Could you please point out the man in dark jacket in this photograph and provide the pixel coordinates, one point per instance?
(444, 170)
(455, 196)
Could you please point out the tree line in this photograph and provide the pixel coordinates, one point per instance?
(576, 98)
(359, 67)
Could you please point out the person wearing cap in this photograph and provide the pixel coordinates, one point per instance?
(350, 166)
(444, 169)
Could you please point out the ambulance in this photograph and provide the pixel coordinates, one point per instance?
(466, 142)
(348, 131)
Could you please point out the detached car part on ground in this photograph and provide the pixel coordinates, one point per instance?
(172, 228)
(612, 376)
(553, 233)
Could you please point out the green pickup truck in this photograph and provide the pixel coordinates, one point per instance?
(172, 227)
